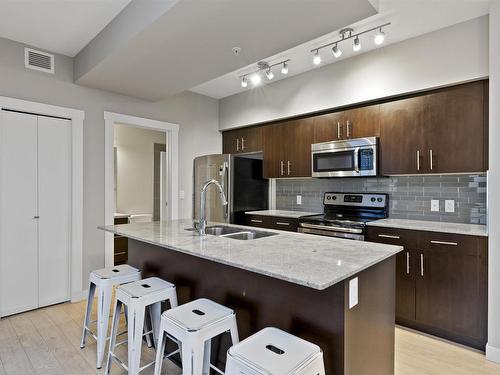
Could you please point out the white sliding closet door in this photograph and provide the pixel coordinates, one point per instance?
(18, 208)
(54, 167)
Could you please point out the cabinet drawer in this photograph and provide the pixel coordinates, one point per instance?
(121, 220)
(284, 223)
(258, 221)
(121, 258)
(392, 236)
(121, 244)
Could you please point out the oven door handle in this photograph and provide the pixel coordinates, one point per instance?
(331, 228)
(356, 159)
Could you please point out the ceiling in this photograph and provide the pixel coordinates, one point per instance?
(191, 42)
(409, 18)
(60, 26)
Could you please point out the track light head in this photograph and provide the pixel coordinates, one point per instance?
(316, 58)
(244, 82)
(269, 74)
(357, 45)
(379, 37)
(256, 79)
(336, 51)
(284, 68)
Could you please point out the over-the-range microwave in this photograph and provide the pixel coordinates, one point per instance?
(348, 158)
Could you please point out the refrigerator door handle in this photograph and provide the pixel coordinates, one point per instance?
(223, 183)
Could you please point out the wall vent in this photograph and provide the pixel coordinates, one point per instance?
(38, 60)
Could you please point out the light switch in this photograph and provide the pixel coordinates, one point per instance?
(449, 205)
(299, 199)
(353, 292)
(434, 205)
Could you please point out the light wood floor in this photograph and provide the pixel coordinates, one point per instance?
(47, 342)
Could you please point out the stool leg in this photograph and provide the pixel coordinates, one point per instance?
(114, 332)
(155, 313)
(198, 358)
(160, 349)
(88, 314)
(147, 322)
(234, 331)
(187, 360)
(207, 353)
(135, 332)
(103, 305)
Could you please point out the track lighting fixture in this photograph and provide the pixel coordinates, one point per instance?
(336, 51)
(256, 78)
(317, 58)
(379, 37)
(244, 82)
(356, 45)
(284, 68)
(269, 74)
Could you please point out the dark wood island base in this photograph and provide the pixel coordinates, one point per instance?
(357, 341)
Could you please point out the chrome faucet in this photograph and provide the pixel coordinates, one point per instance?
(203, 222)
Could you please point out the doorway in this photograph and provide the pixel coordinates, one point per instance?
(164, 181)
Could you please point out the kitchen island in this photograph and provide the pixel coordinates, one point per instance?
(338, 294)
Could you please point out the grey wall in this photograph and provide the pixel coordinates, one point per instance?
(409, 197)
(431, 60)
(197, 116)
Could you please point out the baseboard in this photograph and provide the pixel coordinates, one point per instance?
(79, 296)
(492, 353)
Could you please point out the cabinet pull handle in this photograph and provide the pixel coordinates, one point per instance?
(444, 243)
(349, 133)
(237, 144)
(256, 221)
(389, 236)
(339, 132)
(282, 223)
(243, 144)
(430, 159)
(289, 168)
(418, 160)
(421, 264)
(407, 263)
(282, 167)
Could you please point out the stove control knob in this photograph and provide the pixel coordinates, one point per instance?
(373, 199)
(379, 199)
(328, 197)
(334, 197)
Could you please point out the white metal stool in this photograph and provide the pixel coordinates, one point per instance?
(136, 297)
(272, 351)
(104, 280)
(193, 325)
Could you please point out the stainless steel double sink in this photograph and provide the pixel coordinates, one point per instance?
(235, 233)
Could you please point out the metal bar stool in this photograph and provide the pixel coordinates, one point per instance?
(272, 351)
(137, 297)
(104, 280)
(193, 325)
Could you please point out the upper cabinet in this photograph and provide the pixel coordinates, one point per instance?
(287, 149)
(242, 140)
(353, 123)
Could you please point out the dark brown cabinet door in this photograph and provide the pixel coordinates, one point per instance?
(362, 122)
(274, 137)
(242, 140)
(452, 287)
(328, 127)
(455, 129)
(405, 267)
(299, 137)
(402, 137)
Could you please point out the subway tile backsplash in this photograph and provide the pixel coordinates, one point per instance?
(409, 196)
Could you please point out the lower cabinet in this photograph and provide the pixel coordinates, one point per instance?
(441, 283)
(120, 244)
(273, 222)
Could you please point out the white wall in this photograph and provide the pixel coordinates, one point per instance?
(493, 346)
(135, 168)
(197, 116)
(455, 54)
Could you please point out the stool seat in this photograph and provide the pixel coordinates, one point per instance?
(117, 271)
(145, 287)
(198, 314)
(273, 351)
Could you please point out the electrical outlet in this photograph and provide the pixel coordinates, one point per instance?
(434, 205)
(449, 205)
(299, 199)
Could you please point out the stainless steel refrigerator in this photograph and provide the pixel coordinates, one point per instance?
(241, 178)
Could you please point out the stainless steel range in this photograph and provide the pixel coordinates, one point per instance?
(346, 214)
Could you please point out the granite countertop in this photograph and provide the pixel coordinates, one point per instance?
(281, 213)
(432, 226)
(313, 261)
